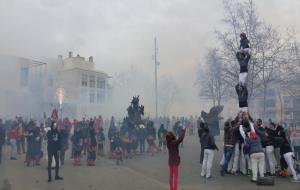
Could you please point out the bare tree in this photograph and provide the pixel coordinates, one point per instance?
(268, 47)
(209, 78)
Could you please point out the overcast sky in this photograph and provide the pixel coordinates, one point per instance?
(119, 33)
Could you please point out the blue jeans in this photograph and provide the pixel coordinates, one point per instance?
(228, 151)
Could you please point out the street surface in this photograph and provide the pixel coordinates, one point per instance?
(143, 172)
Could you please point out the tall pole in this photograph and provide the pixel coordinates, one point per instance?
(156, 63)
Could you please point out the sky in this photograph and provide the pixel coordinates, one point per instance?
(119, 34)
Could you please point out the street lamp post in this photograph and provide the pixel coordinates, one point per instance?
(156, 64)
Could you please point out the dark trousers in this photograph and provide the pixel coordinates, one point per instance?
(52, 154)
(0, 154)
(142, 145)
(201, 154)
(228, 151)
(21, 145)
(91, 155)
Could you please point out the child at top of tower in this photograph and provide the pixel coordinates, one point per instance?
(244, 44)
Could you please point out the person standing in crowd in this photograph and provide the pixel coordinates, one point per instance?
(161, 134)
(37, 145)
(174, 158)
(64, 143)
(126, 141)
(53, 148)
(20, 139)
(201, 126)
(245, 127)
(151, 137)
(100, 142)
(209, 145)
(270, 136)
(257, 155)
(92, 147)
(229, 142)
(85, 135)
(142, 134)
(287, 153)
(77, 142)
(117, 148)
(2, 139)
(13, 133)
(111, 133)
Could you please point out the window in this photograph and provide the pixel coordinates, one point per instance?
(297, 103)
(270, 103)
(92, 97)
(100, 97)
(92, 81)
(100, 83)
(84, 80)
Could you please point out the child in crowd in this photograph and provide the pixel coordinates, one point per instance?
(100, 141)
(77, 143)
(161, 134)
(92, 147)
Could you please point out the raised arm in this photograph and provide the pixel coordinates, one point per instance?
(181, 137)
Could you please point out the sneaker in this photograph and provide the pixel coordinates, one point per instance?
(295, 181)
(210, 178)
(253, 181)
(49, 180)
(13, 158)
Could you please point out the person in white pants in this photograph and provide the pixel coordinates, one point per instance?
(13, 149)
(209, 147)
(257, 155)
(270, 155)
(286, 152)
(207, 163)
(271, 159)
(236, 157)
(245, 159)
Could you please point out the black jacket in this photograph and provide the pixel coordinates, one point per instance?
(243, 62)
(244, 43)
(54, 142)
(2, 135)
(208, 141)
(261, 132)
(242, 93)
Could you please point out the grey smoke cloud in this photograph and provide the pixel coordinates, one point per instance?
(119, 33)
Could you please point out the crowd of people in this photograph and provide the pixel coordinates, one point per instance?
(86, 138)
(251, 147)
